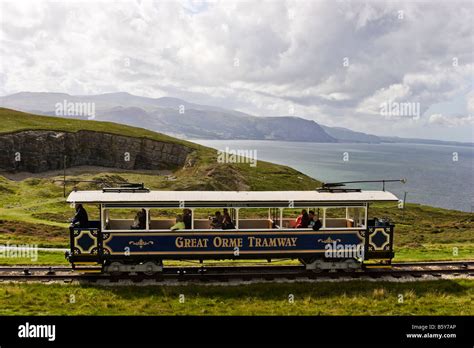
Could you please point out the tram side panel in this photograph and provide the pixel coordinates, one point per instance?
(90, 245)
(85, 244)
(379, 242)
(232, 244)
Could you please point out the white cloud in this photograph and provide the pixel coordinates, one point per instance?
(258, 57)
(394, 93)
(470, 102)
(451, 121)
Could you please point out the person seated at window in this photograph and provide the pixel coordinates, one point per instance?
(179, 225)
(216, 220)
(311, 218)
(314, 221)
(80, 219)
(302, 221)
(139, 222)
(187, 218)
(227, 223)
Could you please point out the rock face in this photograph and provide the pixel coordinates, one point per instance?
(39, 151)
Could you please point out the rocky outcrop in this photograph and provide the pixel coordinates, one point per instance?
(39, 151)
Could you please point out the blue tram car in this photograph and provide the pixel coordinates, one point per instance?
(263, 226)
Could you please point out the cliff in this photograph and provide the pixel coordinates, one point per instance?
(43, 150)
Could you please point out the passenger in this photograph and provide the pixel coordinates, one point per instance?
(317, 225)
(80, 219)
(311, 218)
(302, 221)
(314, 221)
(216, 220)
(227, 223)
(139, 223)
(179, 225)
(187, 218)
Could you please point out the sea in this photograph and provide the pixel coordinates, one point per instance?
(436, 175)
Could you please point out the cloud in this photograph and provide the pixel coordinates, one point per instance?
(470, 102)
(451, 121)
(332, 61)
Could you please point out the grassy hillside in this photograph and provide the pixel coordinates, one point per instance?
(14, 121)
(206, 173)
(33, 210)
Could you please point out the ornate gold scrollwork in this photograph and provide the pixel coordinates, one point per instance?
(141, 243)
(329, 240)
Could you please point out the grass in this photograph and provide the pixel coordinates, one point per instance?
(44, 236)
(441, 297)
(43, 258)
(33, 210)
(16, 121)
(205, 174)
(433, 252)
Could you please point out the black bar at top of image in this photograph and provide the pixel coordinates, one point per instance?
(138, 331)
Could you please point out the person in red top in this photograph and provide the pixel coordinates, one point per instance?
(302, 221)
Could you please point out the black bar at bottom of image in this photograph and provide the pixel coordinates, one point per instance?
(101, 330)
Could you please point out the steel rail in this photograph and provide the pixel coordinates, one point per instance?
(226, 274)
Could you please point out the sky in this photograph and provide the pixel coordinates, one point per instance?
(399, 68)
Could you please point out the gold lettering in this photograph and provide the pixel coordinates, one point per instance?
(272, 242)
(235, 242)
(269, 242)
(228, 242)
(202, 243)
(251, 239)
(182, 242)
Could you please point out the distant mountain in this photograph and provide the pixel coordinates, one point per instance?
(45, 102)
(180, 118)
(423, 141)
(175, 117)
(344, 135)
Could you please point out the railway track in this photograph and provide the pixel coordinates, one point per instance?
(226, 274)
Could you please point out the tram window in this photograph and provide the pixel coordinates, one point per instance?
(125, 219)
(164, 218)
(345, 217)
(336, 218)
(214, 218)
(289, 217)
(258, 218)
(336, 213)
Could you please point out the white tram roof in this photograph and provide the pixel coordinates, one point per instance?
(229, 197)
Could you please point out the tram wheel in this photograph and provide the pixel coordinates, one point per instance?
(150, 268)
